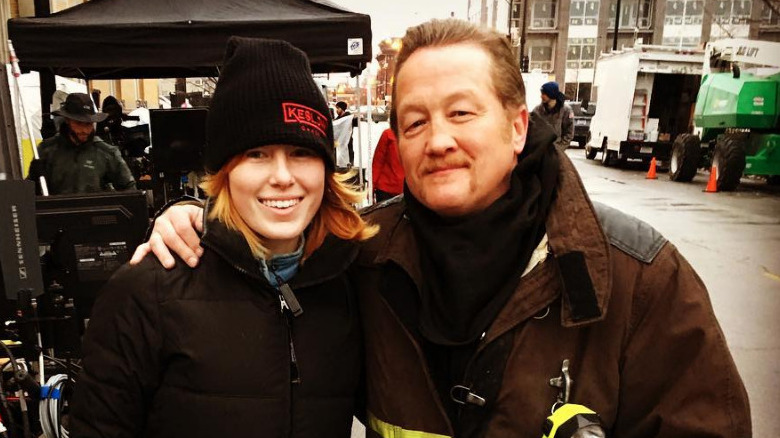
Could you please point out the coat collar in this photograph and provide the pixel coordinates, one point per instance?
(573, 227)
(330, 260)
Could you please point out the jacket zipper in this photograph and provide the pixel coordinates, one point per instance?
(287, 313)
(289, 308)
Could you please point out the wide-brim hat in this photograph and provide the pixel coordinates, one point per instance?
(79, 107)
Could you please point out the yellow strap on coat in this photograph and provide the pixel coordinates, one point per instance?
(387, 430)
(564, 414)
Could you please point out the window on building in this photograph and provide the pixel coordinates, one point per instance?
(728, 13)
(591, 12)
(540, 56)
(740, 11)
(577, 91)
(588, 59)
(679, 12)
(517, 15)
(516, 19)
(544, 14)
(644, 14)
(769, 17)
(581, 53)
(573, 53)
(584, 13)
(694, 12)
(517, 11)
(674, 12)
(633, 14)
(721, 9)
(577, 9)
(687, 41)
(570, 90)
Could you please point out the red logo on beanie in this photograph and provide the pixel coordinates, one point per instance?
(306, 117)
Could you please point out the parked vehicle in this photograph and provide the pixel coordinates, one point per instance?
(583, 113)
(737, 115)
(646, 96)
(378, 113)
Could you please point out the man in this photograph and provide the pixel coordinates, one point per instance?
(497, 292)
(111, 127)
(76, 160)
(95, 96)
(387, 174)
(341, 112)
(555, 111)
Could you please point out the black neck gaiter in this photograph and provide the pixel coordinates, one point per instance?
(473, 264)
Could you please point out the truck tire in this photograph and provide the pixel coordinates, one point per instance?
(686, 153)
(608, 157)
(729, 158)
(590, 153)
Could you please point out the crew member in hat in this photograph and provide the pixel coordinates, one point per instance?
(76, 160)
(557, 113)
(263, 337)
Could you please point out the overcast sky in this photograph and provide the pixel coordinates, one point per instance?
(390, 18)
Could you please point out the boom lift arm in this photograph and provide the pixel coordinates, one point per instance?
(743, 52)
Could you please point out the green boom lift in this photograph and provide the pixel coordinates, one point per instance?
(737, 115)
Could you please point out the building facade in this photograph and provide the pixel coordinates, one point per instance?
(490, 13)
(386, 59)
(564, 37)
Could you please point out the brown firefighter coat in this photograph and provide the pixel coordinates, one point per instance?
(613, 297)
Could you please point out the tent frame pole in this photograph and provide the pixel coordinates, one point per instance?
(10, 160)
(360, 136)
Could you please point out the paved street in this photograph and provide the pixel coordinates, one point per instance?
(733, 241)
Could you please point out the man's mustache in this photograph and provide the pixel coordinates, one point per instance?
(430, 166)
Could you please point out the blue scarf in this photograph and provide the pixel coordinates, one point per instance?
(283, 266)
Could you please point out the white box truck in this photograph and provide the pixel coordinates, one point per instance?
(646, 97)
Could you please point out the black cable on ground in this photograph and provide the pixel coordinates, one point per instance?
(6, 410)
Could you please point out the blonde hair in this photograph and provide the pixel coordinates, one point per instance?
(336, 214)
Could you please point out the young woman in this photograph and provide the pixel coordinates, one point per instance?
(262, 338)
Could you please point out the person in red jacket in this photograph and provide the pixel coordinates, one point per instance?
(386, 170)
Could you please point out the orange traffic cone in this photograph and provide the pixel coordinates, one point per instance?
(712, 185)
(651, 172)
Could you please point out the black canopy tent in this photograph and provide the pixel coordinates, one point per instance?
(115, 39)
(112, 39)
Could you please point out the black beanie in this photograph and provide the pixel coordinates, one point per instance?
(266, 95)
